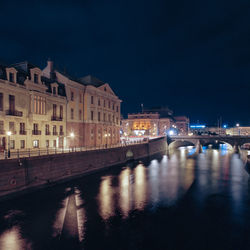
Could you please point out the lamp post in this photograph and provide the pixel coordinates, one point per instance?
(238, 125)
(106, 136)
(72, 136)
(8, 134)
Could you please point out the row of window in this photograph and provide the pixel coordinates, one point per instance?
(104, 104)
(12, 77)
(11, 102)
(35, 130)
(35, 144)
(104, 118)
(72, 114)
(92, 101)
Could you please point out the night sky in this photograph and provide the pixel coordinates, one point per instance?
(193, 56)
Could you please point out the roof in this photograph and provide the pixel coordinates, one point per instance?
(48, 82)
(91, 80)
(2, 72)
(24, 66)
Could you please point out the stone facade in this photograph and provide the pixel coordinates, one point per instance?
(154, 124)
(146, 124)
(93, 110)
(46, 108)
(238, 131)
(34, 116)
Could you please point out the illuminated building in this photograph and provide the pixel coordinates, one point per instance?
(93, 109)
(48, 109)
(32, 108)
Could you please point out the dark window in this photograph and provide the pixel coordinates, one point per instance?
(92, 99)
(11, 77)
(104, 103)
(47, 129)
(109, 104)
(35, 78)
(35, 126)
(99, 116)
(99, 102)
(80, 115)
(92, 115)
(1, 101)
(54, 129)
(12, 103)
(1, 127)
(104, 117)
(61, 111)
(54, 143)
(113, 106)
(72, 114)
(61, 129)
(54, 90)
(22, 127)
(116, 108)
(72, 96)
(54, 110)
(47, 143)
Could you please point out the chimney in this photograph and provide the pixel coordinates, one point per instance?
(50, 65)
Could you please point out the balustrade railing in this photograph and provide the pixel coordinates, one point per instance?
(14, 112)
(22, 153)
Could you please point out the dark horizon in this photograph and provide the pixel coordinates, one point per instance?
(193, 57)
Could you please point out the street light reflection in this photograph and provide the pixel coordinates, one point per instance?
(106, 206)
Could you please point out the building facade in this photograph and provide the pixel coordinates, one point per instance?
(146, 124)
(93, 110)
(238, 131)
(154, 124)
(31, 115)
(49, 109)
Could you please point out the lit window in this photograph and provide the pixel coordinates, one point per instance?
(36, 144)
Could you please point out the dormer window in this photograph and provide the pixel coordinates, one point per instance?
(11, 77)
(54, 88)
(35, 78)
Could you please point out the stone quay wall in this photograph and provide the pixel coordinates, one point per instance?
(27, 174)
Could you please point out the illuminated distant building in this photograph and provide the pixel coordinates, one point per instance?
(158, 123)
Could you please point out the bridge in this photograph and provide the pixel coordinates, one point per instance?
(204, 140)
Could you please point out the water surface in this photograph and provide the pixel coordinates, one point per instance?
(174, 202)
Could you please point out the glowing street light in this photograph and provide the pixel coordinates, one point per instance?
(8, 134)
(72, 135)
(237, 125)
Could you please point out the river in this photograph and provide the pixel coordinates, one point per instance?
(178, 201)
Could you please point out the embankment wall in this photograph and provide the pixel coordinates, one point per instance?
(27, 174)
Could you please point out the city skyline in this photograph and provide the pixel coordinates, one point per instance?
(194, 58)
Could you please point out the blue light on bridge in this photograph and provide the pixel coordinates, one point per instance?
(197, 126)
(225, 126)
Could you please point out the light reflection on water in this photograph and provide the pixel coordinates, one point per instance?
(116, 193)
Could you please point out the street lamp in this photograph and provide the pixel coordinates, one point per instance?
(8, 134)
(106, 140)
(72, 136)
(238, 125)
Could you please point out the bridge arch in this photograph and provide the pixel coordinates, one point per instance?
(180, 143)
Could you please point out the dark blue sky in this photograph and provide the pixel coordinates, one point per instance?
(193, 56)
